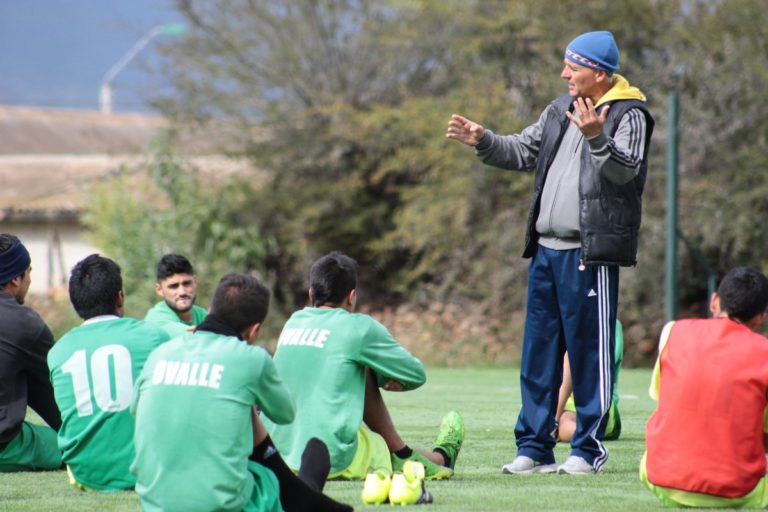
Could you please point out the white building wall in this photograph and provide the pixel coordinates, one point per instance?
(54, 249)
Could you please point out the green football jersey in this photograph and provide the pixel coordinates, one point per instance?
(167, 319)
(93, 369)
(322, 355)
(194, 431)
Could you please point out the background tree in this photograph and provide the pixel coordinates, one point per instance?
(344, 103)
(166, 205)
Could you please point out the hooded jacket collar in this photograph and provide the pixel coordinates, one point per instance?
(621, 90)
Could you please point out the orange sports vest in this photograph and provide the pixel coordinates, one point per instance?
(706, 435)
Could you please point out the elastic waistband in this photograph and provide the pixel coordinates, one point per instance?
(559, 244)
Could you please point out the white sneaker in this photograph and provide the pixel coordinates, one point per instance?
(575, 465)
(523, 465)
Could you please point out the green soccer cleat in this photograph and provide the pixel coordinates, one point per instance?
(376, 487)
(432, 471)
(450, 437)
(408, 487)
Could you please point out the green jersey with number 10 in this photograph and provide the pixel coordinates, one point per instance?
(93, 368)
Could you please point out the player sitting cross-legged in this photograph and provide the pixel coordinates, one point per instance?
(707, 439)
(93, 368)
(24, 383)
(176, 283)
(199, 444)
(334, 361)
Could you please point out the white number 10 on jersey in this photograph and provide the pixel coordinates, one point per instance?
(108, 399)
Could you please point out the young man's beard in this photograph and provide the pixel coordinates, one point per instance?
(173, 307)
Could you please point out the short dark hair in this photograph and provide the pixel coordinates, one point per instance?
(240, 301)
(94, 285)
(743, 293)
(172, 264)
(331, 278)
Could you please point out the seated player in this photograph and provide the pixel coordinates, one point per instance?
(24, 344)
(706, 441)
(566, 409)
(333, 361)
(93, 368)
(176, 283)
(200, 445)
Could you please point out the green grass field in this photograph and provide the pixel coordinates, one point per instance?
(488, 400)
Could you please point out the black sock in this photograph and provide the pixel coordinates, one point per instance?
(404, 452)
(446, 458)
(315, 464)
(295, 495)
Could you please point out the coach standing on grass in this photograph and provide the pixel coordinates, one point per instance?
(589, 150)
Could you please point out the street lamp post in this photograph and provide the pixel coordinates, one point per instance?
(105, 91)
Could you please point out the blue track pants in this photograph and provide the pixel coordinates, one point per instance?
(574, 310)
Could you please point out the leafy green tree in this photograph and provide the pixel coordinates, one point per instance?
(168, 205)
(343, 104)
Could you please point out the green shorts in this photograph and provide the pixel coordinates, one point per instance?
(35, 448)
(612, 429)
(372, 453)
(265, 496)
(756, 498)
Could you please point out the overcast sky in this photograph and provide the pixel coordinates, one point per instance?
(54, 53)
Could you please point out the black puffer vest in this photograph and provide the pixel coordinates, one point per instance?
(609, 214)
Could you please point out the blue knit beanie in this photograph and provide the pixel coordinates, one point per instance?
(596, 50)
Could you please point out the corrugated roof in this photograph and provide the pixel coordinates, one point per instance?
(47, 156)
(27, 130)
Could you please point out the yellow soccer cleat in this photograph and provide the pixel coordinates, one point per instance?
(450, 438)
(376, 487)
(432, 471)
(408, 487)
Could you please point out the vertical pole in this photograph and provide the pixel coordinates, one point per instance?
(671, 254)
(711, 288)
(105, 99)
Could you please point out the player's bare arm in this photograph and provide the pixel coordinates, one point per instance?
(392, 385)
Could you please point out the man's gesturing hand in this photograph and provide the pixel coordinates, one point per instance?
(464, 130)
(586, 118)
